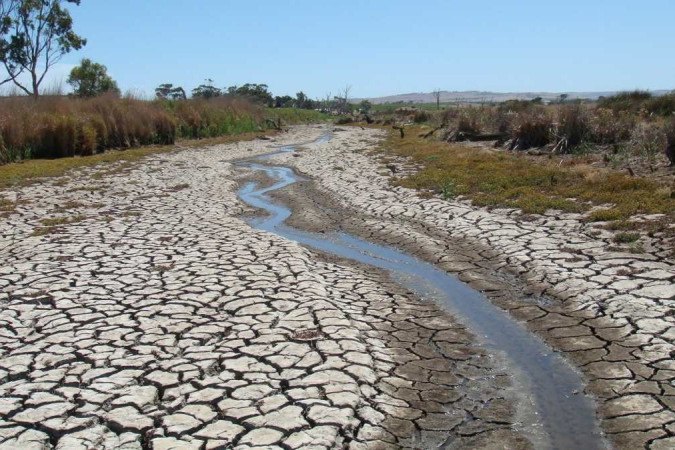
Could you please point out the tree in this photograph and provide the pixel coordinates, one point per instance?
(255, 92)
(365, 106)
(36, 34)
(167, 91)
(90, 79)
(343, 100)
(437, 96)
(7, 13)
(327, 104)
(162, 91)
(285, 101)
(206, 90)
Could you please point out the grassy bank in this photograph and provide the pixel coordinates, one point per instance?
(25, 172)
(57, 127)
(511, 179)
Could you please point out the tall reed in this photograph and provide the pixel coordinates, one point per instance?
(58, 126)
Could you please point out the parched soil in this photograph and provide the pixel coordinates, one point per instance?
(610, 312)
(160, 319)
(139, 310)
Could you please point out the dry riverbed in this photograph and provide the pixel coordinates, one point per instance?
(139, 310)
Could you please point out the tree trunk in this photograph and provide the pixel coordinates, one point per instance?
(36, 93)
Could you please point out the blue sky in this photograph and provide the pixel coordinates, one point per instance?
(382, 47)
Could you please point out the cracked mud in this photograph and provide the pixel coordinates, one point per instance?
(155, 317)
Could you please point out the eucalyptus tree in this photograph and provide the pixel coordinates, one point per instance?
(34, 35)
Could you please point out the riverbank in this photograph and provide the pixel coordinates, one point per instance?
(609, 312)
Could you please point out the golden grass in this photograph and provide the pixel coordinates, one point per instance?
(493, 178)
(60, 126)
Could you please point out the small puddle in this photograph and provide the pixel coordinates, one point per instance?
(552, 408)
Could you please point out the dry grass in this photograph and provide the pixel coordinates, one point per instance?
(58, 126)
(498, 178)
(55, 127)
(632, 123)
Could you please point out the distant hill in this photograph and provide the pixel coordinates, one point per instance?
(485, 96)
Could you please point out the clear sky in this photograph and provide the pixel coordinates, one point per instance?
(382, 47)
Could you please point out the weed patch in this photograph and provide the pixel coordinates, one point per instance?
(626, 238)
(56, 221)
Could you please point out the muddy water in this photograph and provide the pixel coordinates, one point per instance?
(552, 409)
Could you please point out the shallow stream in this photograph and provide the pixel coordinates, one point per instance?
(553, 411)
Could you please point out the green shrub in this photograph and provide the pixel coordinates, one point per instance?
(449, 190)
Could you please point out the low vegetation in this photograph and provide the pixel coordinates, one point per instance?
(611, 161)
(627, 124)
(626, 238)
(513, 179)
